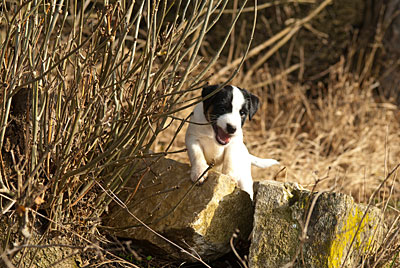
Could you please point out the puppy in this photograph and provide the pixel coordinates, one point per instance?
(215, 135)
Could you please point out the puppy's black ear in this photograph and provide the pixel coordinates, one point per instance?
(253, 102)
(253, 105)
(208, 90)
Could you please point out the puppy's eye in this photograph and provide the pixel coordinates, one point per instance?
(242, 112)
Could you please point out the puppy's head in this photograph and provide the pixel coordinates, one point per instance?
(227, 110)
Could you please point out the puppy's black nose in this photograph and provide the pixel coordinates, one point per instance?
(230, 129)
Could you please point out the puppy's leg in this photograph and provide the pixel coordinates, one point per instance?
(246, 184)
(261, 162)
(197, 160)
(238, 166)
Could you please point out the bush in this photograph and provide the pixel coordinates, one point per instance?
(86, 89)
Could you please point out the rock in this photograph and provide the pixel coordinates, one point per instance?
(280, 214)
(201, 219)
(50, 249)
(65, 256)
(46, 252)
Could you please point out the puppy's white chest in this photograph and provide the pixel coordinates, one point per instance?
(213, 153)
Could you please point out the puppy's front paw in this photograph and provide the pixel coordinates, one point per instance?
(196, 173)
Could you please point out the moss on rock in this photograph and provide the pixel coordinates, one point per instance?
(336, 220)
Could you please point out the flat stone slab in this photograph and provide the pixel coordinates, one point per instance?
(200, 219)
(339, 231)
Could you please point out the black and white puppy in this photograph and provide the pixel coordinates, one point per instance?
(216, 136)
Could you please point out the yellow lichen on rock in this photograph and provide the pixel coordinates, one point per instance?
(350, 238)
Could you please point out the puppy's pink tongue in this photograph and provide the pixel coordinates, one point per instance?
(223, 137)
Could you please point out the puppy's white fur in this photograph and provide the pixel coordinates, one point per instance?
(232, 159)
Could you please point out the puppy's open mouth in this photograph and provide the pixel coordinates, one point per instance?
(221, 136)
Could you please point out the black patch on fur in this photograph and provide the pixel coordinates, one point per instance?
(218, 104)
(252, 103)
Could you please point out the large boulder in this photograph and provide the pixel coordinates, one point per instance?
(200, 219)
(339, 231)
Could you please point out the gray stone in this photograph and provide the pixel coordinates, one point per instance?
(201, 219)
(280, 215)
(46, 252)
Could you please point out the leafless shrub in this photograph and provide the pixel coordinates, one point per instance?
(86, 88)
